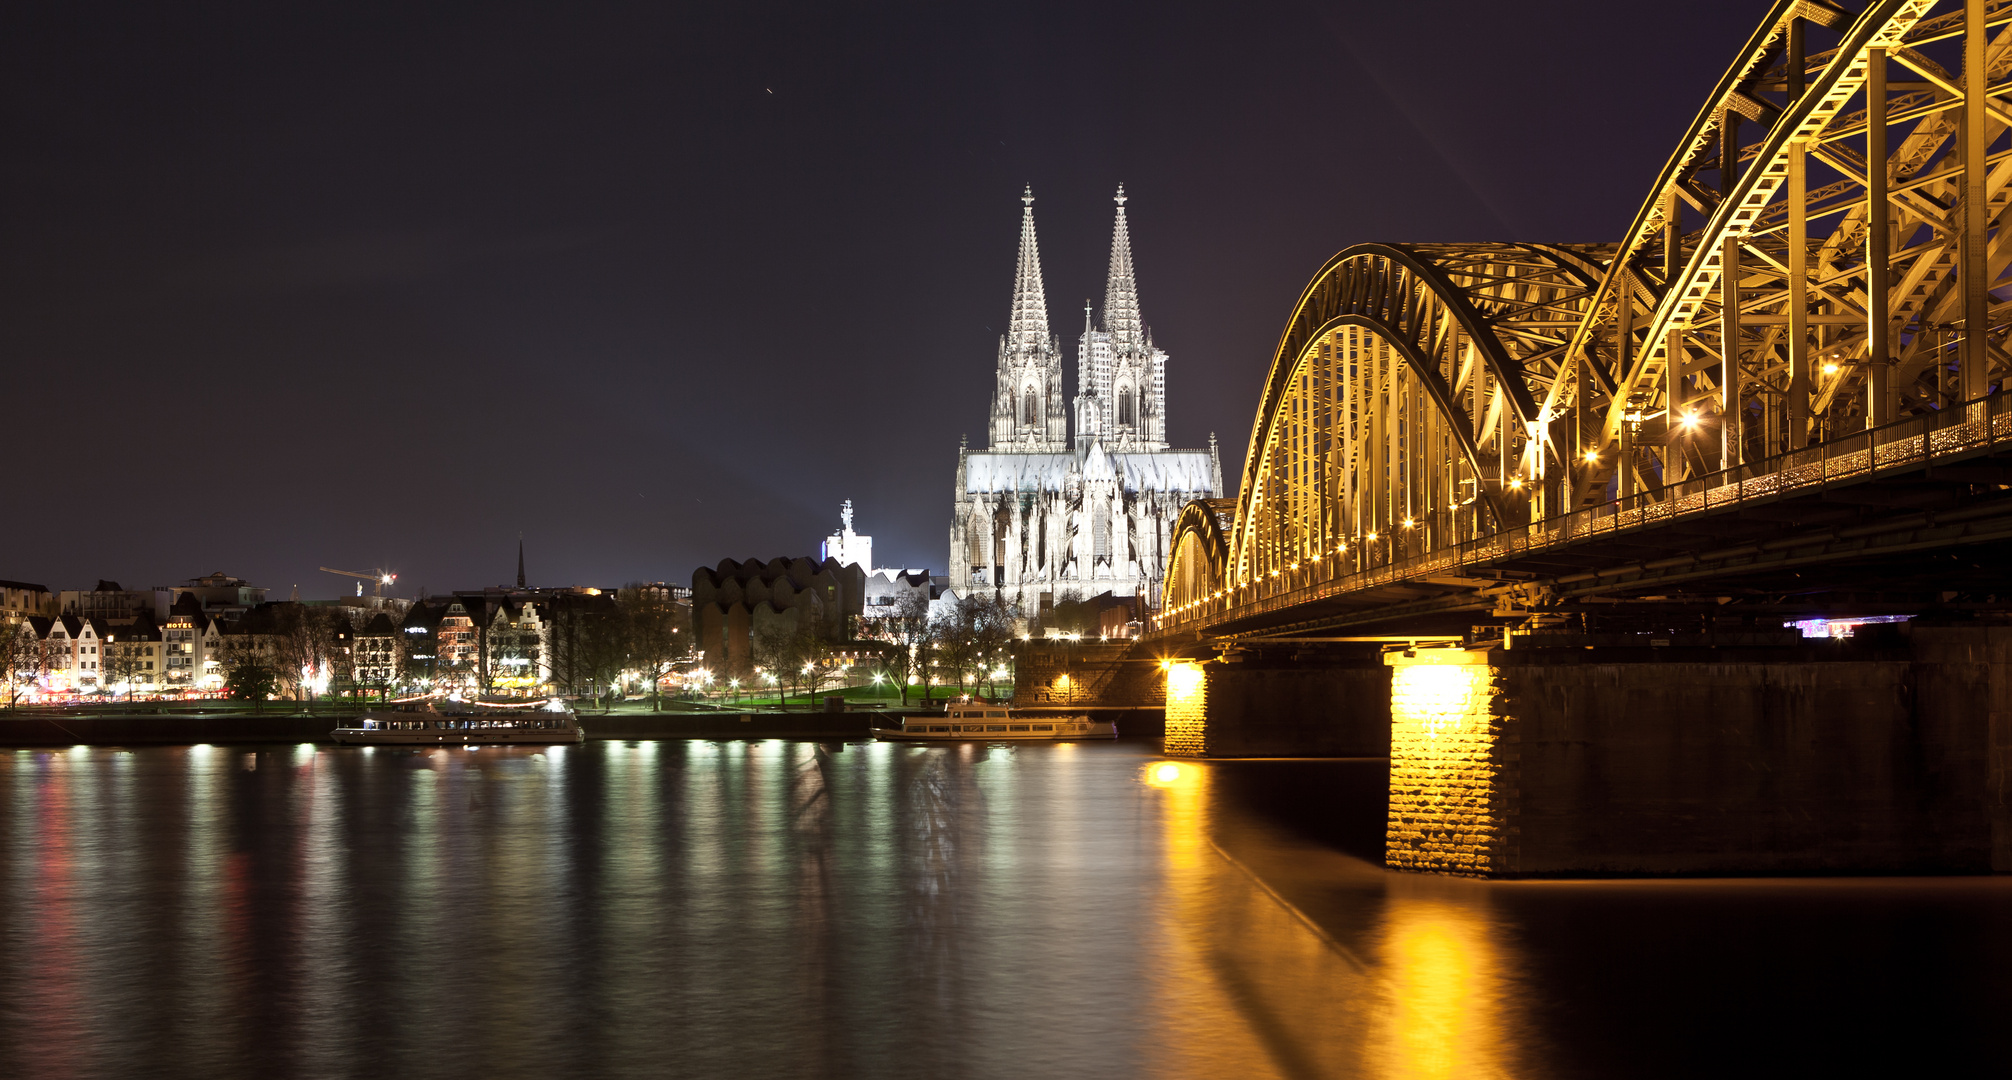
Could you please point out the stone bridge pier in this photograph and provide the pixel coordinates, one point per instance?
(1887, 755)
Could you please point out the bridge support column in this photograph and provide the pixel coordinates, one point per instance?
(1261, 705)
(1834, 758)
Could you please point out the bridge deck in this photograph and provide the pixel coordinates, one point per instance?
(1923, 484)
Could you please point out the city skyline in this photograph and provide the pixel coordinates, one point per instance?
(547, 275)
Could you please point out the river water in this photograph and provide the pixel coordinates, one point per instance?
(716, 909)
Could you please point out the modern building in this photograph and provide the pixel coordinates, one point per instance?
(846, 547)
(221, 595)
(734, 603)
(887, 590)
(1038, 515)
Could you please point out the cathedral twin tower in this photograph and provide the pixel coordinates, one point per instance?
(1040, 516)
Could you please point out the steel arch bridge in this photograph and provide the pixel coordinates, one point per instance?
(1808, 285)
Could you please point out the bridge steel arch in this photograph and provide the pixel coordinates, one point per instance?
(1401, 411)
(1199, 558)
(1820, 255)
(1855, 286)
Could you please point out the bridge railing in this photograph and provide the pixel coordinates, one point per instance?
(1956, 430)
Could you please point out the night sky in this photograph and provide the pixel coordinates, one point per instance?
(289, 285)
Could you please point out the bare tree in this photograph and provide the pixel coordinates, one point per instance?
(122, 663)
(21, 654)
(988, 625)
(777, 649)
(652, 626)
(908, 630)
(249, 668)
(586, 645)
(817, 659)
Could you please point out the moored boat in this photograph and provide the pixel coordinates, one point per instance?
(983, 722)
(443, 723)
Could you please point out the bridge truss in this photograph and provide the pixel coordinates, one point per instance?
(1813, 267)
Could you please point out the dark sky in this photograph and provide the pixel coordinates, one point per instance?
(289, 285)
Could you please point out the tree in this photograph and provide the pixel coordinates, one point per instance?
(652, 626)
(988, 625)
(249, 669)
(21, 654)
(1072, 615)
(778, 652)
(908, 630)
(816, 660)
(587, 652)
(302, 645)
(956, 645)
(122, 663)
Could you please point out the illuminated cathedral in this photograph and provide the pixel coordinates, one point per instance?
(1042, 514)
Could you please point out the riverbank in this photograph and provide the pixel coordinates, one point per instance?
(63, 728)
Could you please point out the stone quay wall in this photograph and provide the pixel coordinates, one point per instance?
(1088, 674)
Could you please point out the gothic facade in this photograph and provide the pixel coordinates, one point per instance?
(1041, 514)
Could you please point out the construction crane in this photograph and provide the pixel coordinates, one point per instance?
(378, 578)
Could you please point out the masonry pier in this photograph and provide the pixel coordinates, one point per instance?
(1888, 755)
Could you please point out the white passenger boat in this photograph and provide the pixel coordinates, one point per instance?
(450, 722)
(992, 722)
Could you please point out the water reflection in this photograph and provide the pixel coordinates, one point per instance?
(1260, 984)
(803, 909)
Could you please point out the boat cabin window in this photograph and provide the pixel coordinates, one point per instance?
(995, 727)
(1019, 727)
(939, 727)
(996, 714)
(1044, 727)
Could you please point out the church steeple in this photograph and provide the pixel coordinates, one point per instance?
(1027, 408)
(1027, 329)
(1121, 289)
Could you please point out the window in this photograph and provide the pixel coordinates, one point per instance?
(995, 727)
(1030, 408)
(1019, 727)
(1125, 406)
(1044, 727)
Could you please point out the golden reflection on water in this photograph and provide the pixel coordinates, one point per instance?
(1249, 985)
(743, 908)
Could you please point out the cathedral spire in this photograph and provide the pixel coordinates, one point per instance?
(1121, 289)
(1027, 330)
